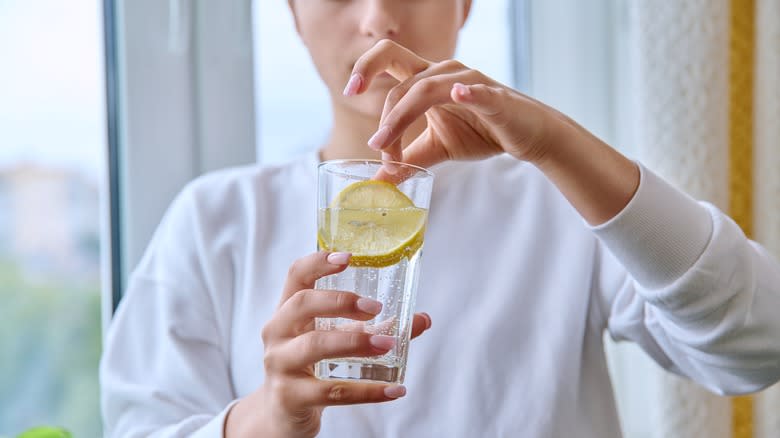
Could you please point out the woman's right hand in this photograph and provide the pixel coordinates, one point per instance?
(291, 399)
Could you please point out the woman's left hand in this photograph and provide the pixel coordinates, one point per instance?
(470, 116)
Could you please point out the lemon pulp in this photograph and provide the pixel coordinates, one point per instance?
(375, 222)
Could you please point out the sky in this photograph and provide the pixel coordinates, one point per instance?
(52, 107)
(52, 84)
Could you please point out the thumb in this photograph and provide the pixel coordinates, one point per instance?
(484, 99)
(423, 152)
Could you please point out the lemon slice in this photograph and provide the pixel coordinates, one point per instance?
(375, 222)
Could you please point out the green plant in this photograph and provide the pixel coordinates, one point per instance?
(45, 432)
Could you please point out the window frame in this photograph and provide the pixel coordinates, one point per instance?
(170, 81)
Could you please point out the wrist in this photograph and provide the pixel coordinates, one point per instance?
(246, 418)
(595, 178)
(259, 415)
(558, 144)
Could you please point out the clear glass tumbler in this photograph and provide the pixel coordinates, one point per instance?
(381, 221)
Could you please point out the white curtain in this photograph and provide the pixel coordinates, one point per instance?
(680, 79)
(766, 181)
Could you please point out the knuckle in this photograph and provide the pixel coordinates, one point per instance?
(266, 334)
(295, 268)
(313, 342)
(385, 44)
(279, 390)
(396, 94)
(355, 341)
(271, 360)
(345, 300)
(479, 77)
(338, 393)
(501, 92)
(425, 86)
(451, 65)
(300, 298)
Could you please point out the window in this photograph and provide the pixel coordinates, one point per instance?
(281, 58)
(191, 67)
(51, 162)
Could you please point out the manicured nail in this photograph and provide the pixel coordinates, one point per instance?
(381, 342)
(428, 321)
(462, 90)
(353, 85)
(369, 306)
(397, 391)
(378, 140)
(339, 258)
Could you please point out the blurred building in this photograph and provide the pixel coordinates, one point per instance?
(49, 220)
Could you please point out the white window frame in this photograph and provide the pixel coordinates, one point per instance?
(185, 106)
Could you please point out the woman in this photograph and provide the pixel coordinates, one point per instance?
(522, 288)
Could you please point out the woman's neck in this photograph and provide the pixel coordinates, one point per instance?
(351, 131)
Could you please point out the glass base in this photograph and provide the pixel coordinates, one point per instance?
(346, 370)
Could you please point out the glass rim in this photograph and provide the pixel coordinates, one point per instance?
(374, 161)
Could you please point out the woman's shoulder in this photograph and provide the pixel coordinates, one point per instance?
(230, 198)
(254, 182)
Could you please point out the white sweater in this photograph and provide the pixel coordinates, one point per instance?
(519, 288)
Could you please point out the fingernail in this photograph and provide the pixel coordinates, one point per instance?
(428, 321)
(339, 258)
(382, 342)
(369, 306)
(397, 391)
(379, 138)
(353, 85)
(462, 90)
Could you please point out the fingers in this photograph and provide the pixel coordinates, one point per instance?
(386, 56)
(420, 323)
(421, 152)
(301, 309)
(424, 94)
(349, 393)
(486, 100)
(307, 270)
(311, 347)
(302, 393)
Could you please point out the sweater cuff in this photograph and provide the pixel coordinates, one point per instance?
(216, 427)
(660, 234)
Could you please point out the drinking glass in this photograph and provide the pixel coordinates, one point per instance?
(367, 207)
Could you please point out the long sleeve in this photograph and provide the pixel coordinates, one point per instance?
(679, 278)
(165, 372)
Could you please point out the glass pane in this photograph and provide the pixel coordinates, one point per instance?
(52, 140)
(289, 89)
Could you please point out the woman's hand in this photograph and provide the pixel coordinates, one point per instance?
(469, 115)
(291, 399)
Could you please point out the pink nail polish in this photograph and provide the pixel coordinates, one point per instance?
(462, 90)
(339, 258)
(379, 139)
(382, 342)
(353, 85)
(395, 391)
(428, 321)
(369, 306)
